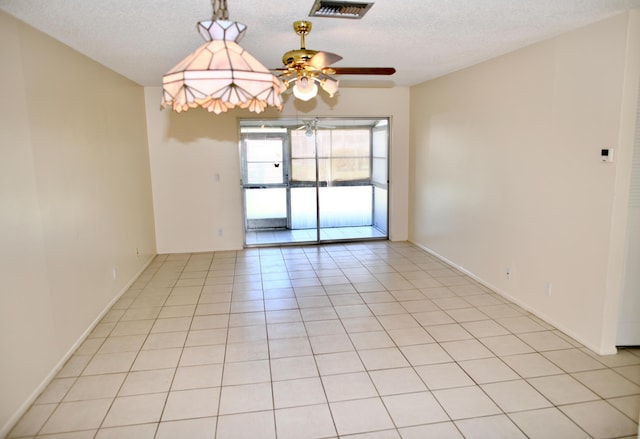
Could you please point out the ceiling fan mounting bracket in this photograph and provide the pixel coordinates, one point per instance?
(298, 57)
(302, 28)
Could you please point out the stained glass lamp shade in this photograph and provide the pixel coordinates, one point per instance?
(221, 75)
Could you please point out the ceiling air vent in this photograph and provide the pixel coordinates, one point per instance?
(337, 9)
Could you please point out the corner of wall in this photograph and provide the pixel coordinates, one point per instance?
(624, 158)
(13, 420)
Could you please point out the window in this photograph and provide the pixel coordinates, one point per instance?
(344, 155)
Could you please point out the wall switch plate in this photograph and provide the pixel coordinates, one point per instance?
(606, 154)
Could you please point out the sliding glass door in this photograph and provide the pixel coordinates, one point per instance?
(316, 180)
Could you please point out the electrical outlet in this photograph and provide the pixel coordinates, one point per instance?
(115, 273)
(547, 288)
(508, 273)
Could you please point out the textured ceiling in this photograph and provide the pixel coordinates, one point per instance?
(422, 39)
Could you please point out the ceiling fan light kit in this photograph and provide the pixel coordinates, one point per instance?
(305, 89)
(221, 75)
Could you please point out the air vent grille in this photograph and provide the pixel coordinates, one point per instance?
(337, 9)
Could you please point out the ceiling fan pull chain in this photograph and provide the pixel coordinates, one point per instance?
(220, 11)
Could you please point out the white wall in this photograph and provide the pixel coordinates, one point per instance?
(187, 150)
(505, 173)
(75, 202)
(628, 323)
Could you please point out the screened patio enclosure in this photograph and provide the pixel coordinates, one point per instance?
(314, 179)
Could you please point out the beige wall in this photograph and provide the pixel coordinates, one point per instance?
(187, 150)
(75, 203)
(505, 173)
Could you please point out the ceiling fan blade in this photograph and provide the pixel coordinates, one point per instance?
(362, 71)
(323, 59)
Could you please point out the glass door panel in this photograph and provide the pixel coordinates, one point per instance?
(380, 175)
(344, 183)
(304, 174)
(265, 186)
(263, 161)
(304, 208)
(266, 207)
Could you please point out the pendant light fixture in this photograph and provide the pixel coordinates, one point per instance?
(220, 74)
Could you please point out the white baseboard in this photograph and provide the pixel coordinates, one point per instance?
(549, 320)
(13, 420)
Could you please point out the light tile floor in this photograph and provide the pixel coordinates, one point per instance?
(367, 340)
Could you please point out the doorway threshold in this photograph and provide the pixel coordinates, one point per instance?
(309, 236)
